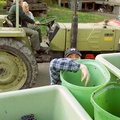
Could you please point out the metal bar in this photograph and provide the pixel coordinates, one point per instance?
(74, 28)
(17, 14)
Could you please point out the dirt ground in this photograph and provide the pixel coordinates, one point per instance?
(43, 76)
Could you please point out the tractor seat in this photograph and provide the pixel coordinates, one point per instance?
(7, 22)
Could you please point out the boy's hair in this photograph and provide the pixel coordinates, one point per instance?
(72, 50)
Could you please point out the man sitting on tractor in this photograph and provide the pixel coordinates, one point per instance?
(23, 20)
(29, 25)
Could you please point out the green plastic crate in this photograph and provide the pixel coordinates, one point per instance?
(106, 102)
(46, 103)
(112, 62)
(99, 76)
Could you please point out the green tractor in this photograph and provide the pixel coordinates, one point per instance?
(90, 38)
(18, 66)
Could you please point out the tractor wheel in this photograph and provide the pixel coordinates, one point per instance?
(18, 67)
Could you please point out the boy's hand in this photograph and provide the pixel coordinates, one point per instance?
(85, 74)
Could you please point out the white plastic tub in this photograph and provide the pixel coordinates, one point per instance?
(46, 103)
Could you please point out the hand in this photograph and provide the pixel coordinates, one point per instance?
(37, 23)
(85, 74)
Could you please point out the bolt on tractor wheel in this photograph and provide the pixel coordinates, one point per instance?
(18, 67)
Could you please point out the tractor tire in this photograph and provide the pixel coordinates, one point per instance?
(18, 66)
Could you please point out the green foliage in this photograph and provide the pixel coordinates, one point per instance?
(65, 15)
(2, 3)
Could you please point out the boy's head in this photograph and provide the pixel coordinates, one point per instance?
(73, 54)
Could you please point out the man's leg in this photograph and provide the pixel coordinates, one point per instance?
(37, 28)
(34, 37)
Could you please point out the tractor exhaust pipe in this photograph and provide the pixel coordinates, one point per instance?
(74, 28)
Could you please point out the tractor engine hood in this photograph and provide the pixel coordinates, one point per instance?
(90, 37)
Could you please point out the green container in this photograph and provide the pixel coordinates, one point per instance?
(106, 102)
(46, 103)
(112, 62)
(99, 76)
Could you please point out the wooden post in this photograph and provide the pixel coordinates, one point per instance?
(59, 2)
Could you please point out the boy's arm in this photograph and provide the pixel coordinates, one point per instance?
(85, 74)
(63, 64)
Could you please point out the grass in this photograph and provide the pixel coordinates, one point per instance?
(2, 11)
(65, 15)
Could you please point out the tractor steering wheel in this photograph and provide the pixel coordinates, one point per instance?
(48, 21)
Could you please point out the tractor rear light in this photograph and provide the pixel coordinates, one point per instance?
(89, 56)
